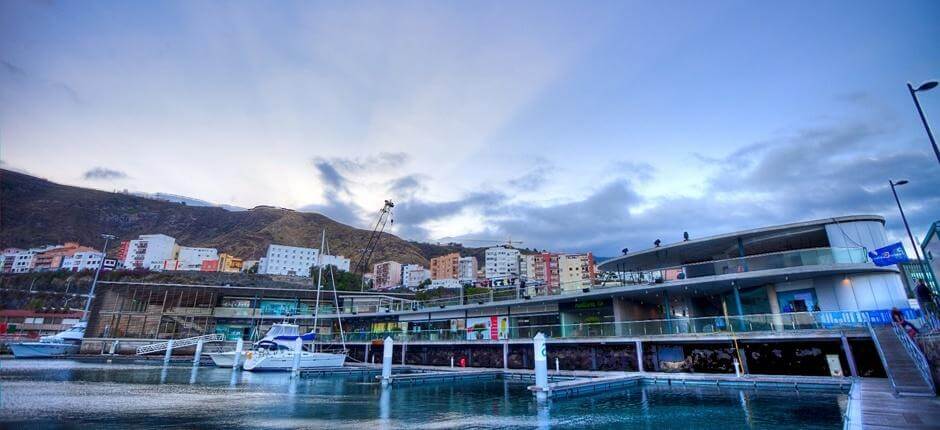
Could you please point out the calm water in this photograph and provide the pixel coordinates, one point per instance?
(65, 393)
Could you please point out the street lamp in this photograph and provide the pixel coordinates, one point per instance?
(929, 85)
(94, 282)
(923, 267)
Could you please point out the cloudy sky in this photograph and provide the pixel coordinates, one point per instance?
(567, 125)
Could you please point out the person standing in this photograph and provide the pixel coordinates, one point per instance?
(925, 297)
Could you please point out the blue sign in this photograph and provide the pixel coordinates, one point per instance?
(889, 255)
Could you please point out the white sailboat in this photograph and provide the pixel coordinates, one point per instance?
(278, 356)
(64, 343)
(227, 358)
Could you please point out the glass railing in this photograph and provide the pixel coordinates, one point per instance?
(730, 325)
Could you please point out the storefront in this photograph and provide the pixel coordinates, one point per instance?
(587, 318)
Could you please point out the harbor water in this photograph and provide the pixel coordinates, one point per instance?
(40, 394)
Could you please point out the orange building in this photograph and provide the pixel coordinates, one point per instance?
(446, 266)
(209, 266)
(52, 258)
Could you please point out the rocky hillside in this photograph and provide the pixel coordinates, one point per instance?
(34, 211)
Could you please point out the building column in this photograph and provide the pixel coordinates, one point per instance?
(668, 310)
(774, 307)
(639, 356)
(853, 371)
(737, 300)
(506, 355)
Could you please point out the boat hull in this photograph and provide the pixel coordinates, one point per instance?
(225, 359)
(284, 361)
(43, 349)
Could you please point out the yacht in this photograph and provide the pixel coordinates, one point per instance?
(227, 359)
(60, 344)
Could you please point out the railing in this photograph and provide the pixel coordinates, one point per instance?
(916, 355)
(788, 322)
(179, 343)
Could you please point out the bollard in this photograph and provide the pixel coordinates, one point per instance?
(451, 361)
(298, 348)
(639, 356)
(239, 346)
(387, 360)
(114, 347)
(541, 366)
(737, 368)
(169, 351)
(198, 355)
(557, 366)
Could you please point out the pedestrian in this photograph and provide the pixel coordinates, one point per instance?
(897, 318)
(925, 298)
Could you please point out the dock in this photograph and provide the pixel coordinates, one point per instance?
(873, 405)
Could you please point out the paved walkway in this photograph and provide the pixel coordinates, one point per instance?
(878, 408)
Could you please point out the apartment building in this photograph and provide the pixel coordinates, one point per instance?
(337, 261)
(191, 258)
(85, 260)
(149, 251)
(575, 271)
(501, 263)
(412, 275)
(446, 266)
(52, 258)
(467, 269)
(288, 260)
(387, 274)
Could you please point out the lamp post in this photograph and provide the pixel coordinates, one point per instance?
(929, 85)
(907, 227)
(94, 282)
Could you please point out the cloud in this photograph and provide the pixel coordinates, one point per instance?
(406, 186)
(104, 174)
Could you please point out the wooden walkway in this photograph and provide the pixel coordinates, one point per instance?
(874, 406)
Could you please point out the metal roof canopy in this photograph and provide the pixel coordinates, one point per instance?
(786, 237)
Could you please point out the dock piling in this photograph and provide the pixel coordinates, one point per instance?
(298, 349)
(169, 351)
(198, 355)
(387, 347)
(239, 347)
(541, 367)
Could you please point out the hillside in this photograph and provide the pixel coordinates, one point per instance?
(34, 211)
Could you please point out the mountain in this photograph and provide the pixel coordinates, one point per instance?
(35, 211)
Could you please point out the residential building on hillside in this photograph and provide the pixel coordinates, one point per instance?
(85, 260)
(288, 260)
(9, 255)
(149, 251)
(527, 266)
(575, 271)
(501, 263)
(412, 275)
(337, 261)
(249, 264)
(387, 275)
(51, 259)
(229, 263)
(467, 269)
(545, 272)
(191, 258)
(445, 266)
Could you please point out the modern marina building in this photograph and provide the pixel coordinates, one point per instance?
(798, 298)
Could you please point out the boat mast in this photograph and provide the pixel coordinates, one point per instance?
(94, 282)
(316, 308)
(339, 320)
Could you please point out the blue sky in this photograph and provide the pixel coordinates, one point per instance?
(571, 126)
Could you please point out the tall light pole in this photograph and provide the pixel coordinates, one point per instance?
(923, 267)
(94, 282)
(929, 85)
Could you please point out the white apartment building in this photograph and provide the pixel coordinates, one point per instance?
(191, 258)
(87, 260)
(467, 269)
(501, 262)
(288, 260)
(338, 261)
(150, 251)
(23, 260)
(413, 275)
(527, 266)
(575, 271)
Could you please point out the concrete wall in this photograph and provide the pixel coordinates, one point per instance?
(866, 291)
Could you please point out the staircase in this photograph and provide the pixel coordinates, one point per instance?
(180, 343)
(905, 365)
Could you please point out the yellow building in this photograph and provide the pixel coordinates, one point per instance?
(229, 263)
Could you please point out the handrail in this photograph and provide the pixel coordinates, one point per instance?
(881, 355)
(916, 355)
(180, 343)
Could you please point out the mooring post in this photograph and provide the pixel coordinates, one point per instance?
(451, 361)
(387, 346)
(169, 351)
(298, 349)
(639, 356)
(239, 347)
(506, 355)
(114, 346)
(541, 366)
(198, 355)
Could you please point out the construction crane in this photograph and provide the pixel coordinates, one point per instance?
(365, 255)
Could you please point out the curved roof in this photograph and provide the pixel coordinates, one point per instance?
(799, 235)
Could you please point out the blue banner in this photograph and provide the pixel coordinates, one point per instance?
(889, 255)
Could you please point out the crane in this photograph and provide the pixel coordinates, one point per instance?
(508, 242)
(365, 255)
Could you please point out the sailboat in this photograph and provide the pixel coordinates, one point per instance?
(67, 342)
(275, 355)
(271, 338)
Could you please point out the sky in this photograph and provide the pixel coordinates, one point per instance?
(569, 126)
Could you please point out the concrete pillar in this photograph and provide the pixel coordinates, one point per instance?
(505, 355)
(114, 346)
(365, 358)
(298, 349)
(639, 356)
(774, 307)
(541, 366)
(853, 371)
(387, 360)
(404, 349)
(169, 351)
(239, 347)
(198, 355)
